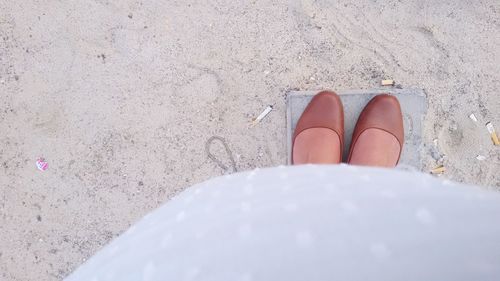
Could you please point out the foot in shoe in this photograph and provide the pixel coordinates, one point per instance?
(318, 146)
(378, 137)
(319, 134)
(376, 147)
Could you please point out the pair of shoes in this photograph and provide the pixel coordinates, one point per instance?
(377, 139)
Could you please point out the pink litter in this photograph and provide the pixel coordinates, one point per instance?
(41, 164)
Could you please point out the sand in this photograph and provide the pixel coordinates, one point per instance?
(120, 98)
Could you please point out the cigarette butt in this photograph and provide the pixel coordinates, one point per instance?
(494, 137)
(387, 82)
(438, 170)
(493, 134)
(262, 115)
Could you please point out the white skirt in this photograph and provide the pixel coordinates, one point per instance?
(311, 223)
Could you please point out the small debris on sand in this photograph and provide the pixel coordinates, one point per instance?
(473, 117)
(438, 170)
(493, 133)
(387, 82)
(262, 115)
(41, 164)
(481, 157)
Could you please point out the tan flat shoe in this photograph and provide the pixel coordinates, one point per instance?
(378, 137)
(319, 134)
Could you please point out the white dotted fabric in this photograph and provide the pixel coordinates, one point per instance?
(311, 223)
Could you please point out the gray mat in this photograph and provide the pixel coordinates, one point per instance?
(413, 103)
